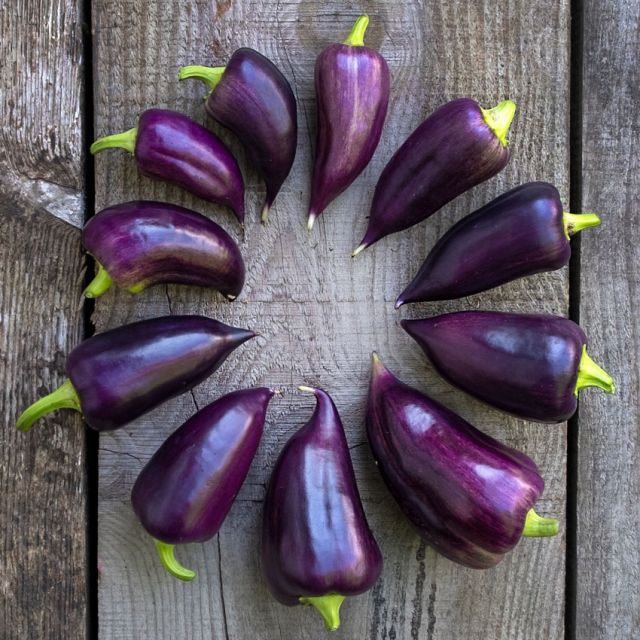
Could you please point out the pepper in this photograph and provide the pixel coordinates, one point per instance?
(457, 147)
(169, 146)
(140, 244)
(352, 92)
(522, 232)
(317, 547)
(252, 98)
(185, 491)
(470, 497)
(532, 366)
(117, 376)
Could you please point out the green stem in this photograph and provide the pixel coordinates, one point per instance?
(209, 75)
(574, 222)
(329, 608)
(499, 119)
(591, 375)
(100, 284)
(64, 397)
(165, 551)
(125, 140)
(536, 526)
(356, 37)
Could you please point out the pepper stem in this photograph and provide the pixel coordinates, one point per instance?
(329, 608)
(356, 37)
(209, 75)
(100, 284)
(536, 526)
(165, 551)
(591, 375)
(64, 397)
(574, 222)
(499, 119)
(125, 140)
(264, 215)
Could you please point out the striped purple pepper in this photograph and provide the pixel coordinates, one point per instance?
(169, 146)
(470, 497)
(317, 547)
(185, 491)
(457, 147)
(252, 98)
(352, 92)
(140, 244)
(532, 366)
(522, 232)
(117, 376)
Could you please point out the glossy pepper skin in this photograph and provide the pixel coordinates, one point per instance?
(317, 547)
(185, 491)
(140, 244)
(470, 497)
(117, 376)
(169, 146)
(252, 98)
(532, 366)
(352, 94)
(522, 232)
(457, 147)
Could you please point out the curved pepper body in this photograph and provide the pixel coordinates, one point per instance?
(315, 538)
(185, 491)
(144, 243)
(255, 101)
(466, 493)
(529, 365)
(520, 233)
(121, 374)
(352, 94)
(457, 147)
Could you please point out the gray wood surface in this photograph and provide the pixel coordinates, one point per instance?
(321, 313)
(608, 506)
(42, 494)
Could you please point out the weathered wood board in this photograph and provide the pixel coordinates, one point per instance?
(42, 490)
(321, 313)
(608, 505)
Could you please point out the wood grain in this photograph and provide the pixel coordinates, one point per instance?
(608, 559)
(321, 313)
(42, 494)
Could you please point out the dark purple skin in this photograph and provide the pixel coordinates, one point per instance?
(117, 376)
(520, 233)
(185, 491)
(453, 150)
(352, 94)
(526, 365)
(144, 243)
(315, 536)
(466, 493)
(170, 146)
(255, 101)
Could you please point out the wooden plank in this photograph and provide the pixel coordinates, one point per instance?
(608, 560)
(321, 313)
(42, 493)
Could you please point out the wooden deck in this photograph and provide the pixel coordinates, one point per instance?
(74, 562)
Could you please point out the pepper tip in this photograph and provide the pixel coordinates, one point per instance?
(361, 248)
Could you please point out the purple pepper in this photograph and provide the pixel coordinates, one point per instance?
(140, 244)
(185, 491)
(169, 146)
(252, 98)
(522, 232)
(532, 366)
(317, 547)
(470, 497)
(457, 147)
(352, 92)
(117, 376)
